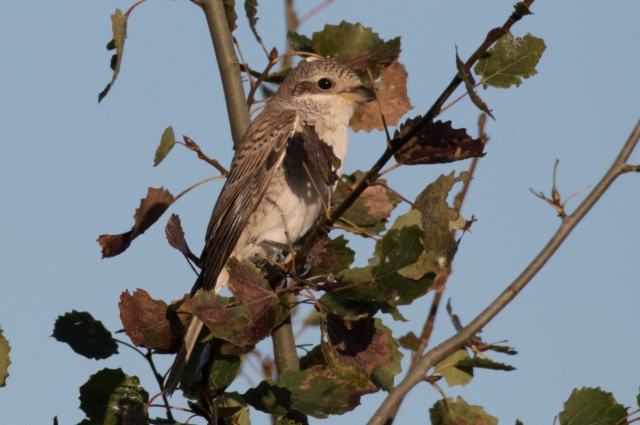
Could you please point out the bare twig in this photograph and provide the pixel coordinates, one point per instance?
(454, 343)
(191, 145)
(190, 188)
(314, 11)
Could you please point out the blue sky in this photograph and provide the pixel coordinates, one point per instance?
(71, 169)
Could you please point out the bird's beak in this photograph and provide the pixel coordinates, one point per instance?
(359, 94)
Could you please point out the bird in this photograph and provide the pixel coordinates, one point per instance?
(269, 198)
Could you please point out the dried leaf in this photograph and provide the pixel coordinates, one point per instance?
(119, 28)
(392, 100)
(409, 341)
(230, 11)
(251, 9)
(150, 210)
(510, 60)
(152, 323)
(175, 235)
(467, 78)
(167, 142)
(319, 155)
(436, 143)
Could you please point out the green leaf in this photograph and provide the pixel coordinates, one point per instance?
(230, 11)
(167, 142)
(5, 360)
(299, 43)
(331, 256)
(446, 412)
(439, 244)
(306, 391)
(357, 46)
(106, 392)
(510, 60)
(591, 406)
(251, 9)
(336, 304)
(638, 400)
(119, 29)
(85, 335)
(371, 210)
(224, 370)
(452, 373)
(519, 422)
(256, 311)
(380, 280)
(502, 349)
(484, 363)
(383, 374)
(233, 409)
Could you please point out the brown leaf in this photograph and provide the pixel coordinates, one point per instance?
(354, 392)
(357, 343)
(151, 209)
(374, 205)
(151, 323)
(391, 90)
(437, 143)
(409, 341)
(320, 156)
(175, 235)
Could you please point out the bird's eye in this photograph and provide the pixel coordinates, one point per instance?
(325, 83)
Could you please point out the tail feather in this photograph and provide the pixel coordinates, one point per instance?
(190, 338)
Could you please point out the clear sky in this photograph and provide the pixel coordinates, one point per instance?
(71, 169)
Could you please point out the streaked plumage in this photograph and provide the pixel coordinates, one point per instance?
(268, 192)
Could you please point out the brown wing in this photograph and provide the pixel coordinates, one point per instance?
(261, 151)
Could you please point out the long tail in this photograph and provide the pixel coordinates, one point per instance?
(190, 338)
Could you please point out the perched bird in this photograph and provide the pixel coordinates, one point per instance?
(268, 191)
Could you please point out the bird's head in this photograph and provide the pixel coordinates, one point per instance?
(325, 81)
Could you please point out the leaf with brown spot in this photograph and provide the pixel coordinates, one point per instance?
(359, 349)
(331, 256)
(371, 210)
(437, 143)
(392, 100)
(152, 323)
(151, 209)
(230, 11)
(255, 310)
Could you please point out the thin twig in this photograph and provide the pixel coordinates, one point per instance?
(190, 188)
(314, 11)
(193, 146)
(454, 343)
(160, 380)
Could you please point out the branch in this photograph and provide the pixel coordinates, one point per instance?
(454, 343)
(228, 66)
(394, 145)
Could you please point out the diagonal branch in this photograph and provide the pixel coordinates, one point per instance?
(395, 144)
(454, 343)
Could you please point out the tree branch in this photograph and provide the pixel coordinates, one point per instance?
(454, 343)
(228, 66)
(394, 145)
